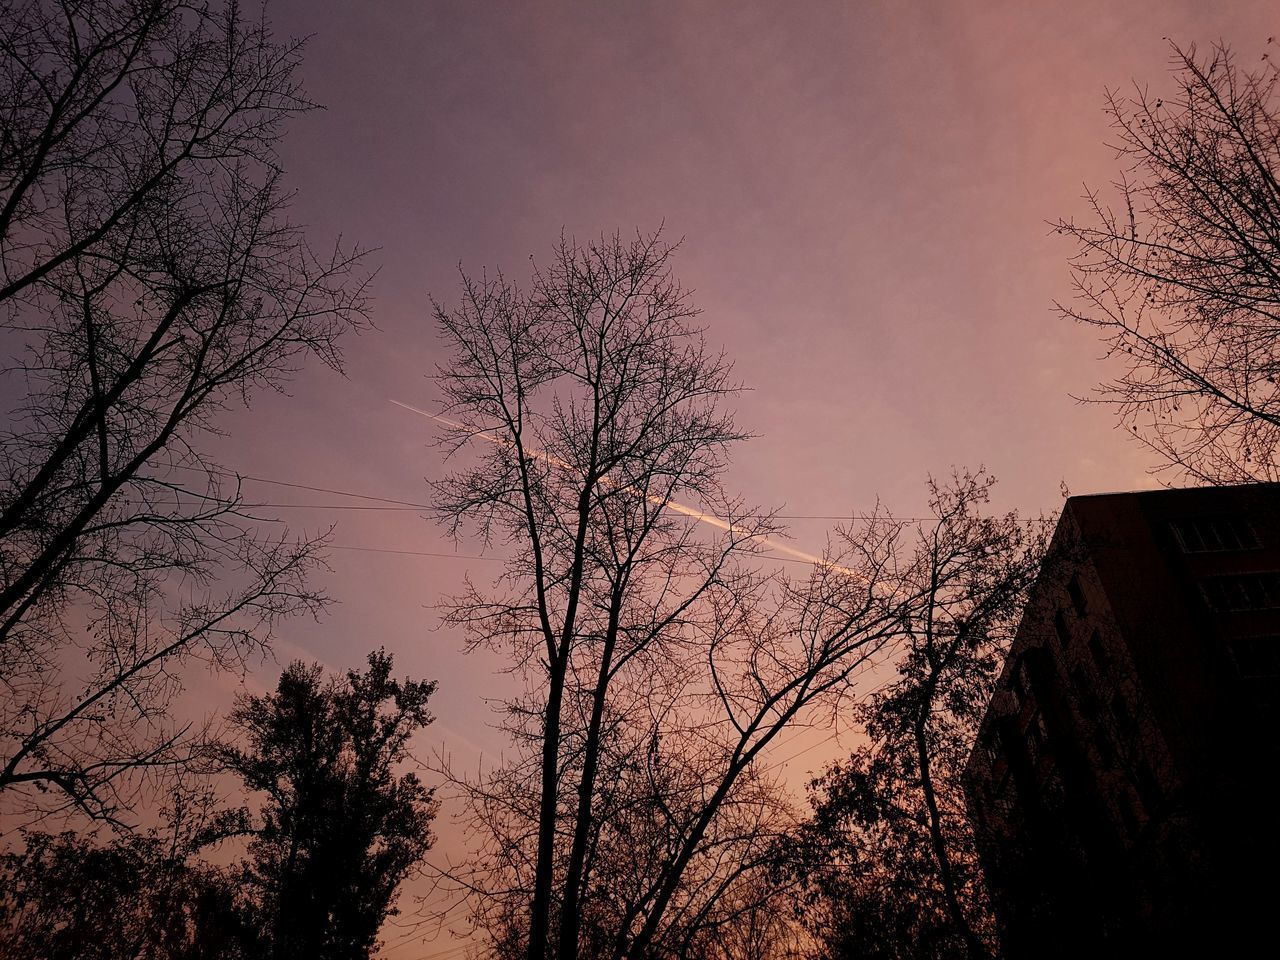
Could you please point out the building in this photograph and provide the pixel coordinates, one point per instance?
(1119, 785)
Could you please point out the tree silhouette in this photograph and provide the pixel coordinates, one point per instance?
(340, 826)
(149, 277)
(69, 899)
(1182, 277)
(338, 829)
(887, 862)
(601, 404)
(147, 895)
(637, 813)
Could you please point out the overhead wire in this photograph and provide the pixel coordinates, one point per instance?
(418, 505)
(391, 505)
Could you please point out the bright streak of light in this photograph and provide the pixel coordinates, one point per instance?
(707, 518)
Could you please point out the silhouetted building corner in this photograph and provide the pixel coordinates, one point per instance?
(1119, 782)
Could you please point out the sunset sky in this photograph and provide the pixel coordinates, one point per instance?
(863, 190)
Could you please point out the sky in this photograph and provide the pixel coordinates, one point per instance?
(864, 191)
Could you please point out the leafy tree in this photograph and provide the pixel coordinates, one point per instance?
(340, 826)
(147, 896)
(1181, 274)
(337, 832)
(149, 278)
(887, 861)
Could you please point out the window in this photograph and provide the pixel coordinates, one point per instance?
(1214, 534)
(1101, 658)
(1038, 722)
(1257, 656)
(1033, 745)
(1006, 795)
(1054, 790)
(1060, 627)
(1077, 595)
(1120, 710)
(1148, 789)
(1085, 697)
(1106, 749)
(990, 745)
(1022, 684)
(1129, 818)
(1242, 591)
(1035, 737)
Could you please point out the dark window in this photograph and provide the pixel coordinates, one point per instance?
(1106, 750)
(1077, 595)
(1060, 627)
(991, 747)
(1148, 789)
(1022, 684)
(1128, 816)
(1054, 792)
(1035, 737)
(1006, 795)
(1033, 745)
(977, 810)
(1085, 697)
(1243, 591)
(1257, 656)
(1214, 534)
(1120, 710)
(1101, 658)
(1038, 722)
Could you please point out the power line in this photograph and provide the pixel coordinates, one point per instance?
(409, 506)
(407, 553)
(472, 556)
(328, 506)
(416, 505)
(453, 951)
(412, 507)
(836, 731)
(339, 493)
(390, 504)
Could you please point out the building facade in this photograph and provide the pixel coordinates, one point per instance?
(1119, 785)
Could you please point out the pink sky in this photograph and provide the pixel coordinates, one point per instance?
(863, 189)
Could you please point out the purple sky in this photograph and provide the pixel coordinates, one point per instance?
(863, 189)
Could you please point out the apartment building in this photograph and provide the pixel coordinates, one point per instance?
(1120, 782)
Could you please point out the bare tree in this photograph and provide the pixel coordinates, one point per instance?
(1182, 276)
(601, 405)
(636, 815)
(149, 276)
(887, 861)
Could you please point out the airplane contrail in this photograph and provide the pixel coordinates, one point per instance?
(700, 516)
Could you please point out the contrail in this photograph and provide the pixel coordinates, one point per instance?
(707, 518)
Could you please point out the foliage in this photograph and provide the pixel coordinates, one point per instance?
(340, 827)
(337, 831)
(142, 895)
